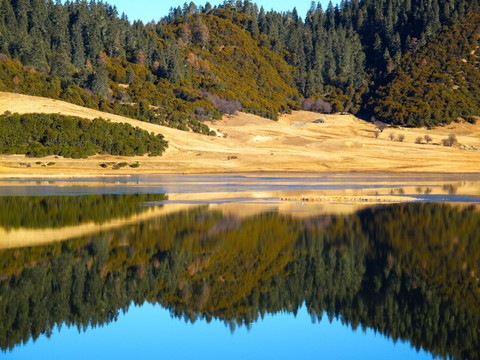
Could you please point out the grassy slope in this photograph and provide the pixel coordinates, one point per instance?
(342, 143)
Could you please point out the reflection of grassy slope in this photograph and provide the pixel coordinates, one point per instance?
(367, 268)
(59, 211)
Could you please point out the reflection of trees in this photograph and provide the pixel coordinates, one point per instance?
(407, 271)
(58, 211)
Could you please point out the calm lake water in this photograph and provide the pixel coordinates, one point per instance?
(221, 267)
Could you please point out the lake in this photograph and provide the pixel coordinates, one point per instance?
(241, 266)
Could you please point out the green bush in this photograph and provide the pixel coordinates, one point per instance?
(39, 135)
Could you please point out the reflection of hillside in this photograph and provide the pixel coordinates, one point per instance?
(33, 237)
(57, 211)
(34, 220)
(409, 271)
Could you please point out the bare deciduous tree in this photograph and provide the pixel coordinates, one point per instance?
(318, 105)
(226, 106)
(452, 139)
(200, 32)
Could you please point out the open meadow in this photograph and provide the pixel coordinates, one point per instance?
(248, 143)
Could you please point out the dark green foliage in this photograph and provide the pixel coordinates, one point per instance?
(38, 135)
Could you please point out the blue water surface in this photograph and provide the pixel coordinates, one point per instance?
(150, 332)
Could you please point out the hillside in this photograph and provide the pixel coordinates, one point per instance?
(177, 73)
(437, 84)
(200, 62)
(245, 143)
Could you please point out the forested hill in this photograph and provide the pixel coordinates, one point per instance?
(199, 61)
(437, 84)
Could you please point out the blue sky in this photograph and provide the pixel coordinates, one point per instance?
(147, 10)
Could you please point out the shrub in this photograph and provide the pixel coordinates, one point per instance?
(380, 125)
(450, 141)
(471, 119)
(401, 137)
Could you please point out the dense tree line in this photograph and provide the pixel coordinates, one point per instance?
(38, 135)
(167, 71)
(407, 271)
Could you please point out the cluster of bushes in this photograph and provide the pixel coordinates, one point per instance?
(38, 135)
(318, 105)
(117, 165)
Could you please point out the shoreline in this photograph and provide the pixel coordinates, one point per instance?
(285, 173)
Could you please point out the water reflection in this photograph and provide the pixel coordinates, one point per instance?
(408, 271)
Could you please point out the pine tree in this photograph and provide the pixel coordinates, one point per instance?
(99, 82)
(61, 65)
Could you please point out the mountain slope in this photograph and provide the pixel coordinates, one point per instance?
(199, 62)
(437, 84)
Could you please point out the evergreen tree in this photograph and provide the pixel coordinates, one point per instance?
(99, 81)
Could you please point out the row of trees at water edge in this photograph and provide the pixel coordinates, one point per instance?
(39, 135)
(377, 268)
(170, 71)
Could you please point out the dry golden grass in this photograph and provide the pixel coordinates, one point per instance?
(248, 143)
